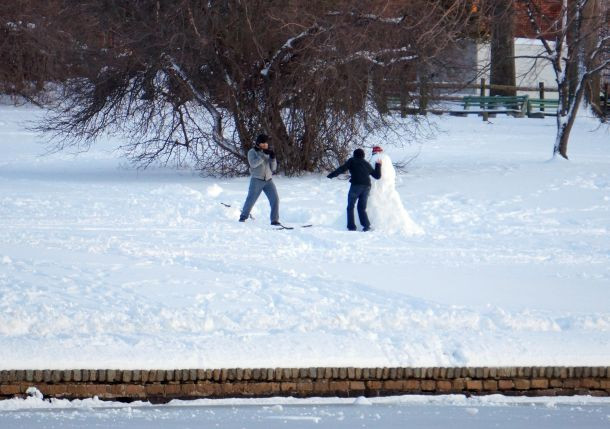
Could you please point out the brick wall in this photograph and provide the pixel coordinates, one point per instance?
(163, 385)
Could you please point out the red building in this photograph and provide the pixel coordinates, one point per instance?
(550, 9)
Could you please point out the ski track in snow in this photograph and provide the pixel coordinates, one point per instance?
(102, 266)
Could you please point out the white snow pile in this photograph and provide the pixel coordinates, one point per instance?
(104, 266)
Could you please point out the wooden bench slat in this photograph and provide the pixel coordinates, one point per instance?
(542, 104)
(511, 104)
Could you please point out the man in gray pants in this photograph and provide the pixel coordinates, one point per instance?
(262, 165)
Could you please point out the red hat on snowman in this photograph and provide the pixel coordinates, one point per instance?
(377, 149)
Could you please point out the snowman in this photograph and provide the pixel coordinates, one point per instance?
(385, 208)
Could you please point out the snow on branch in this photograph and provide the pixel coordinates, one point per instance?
(369, 56)
(599, 68)
(370, 17)
(373, 57)
(289, 44)
(600, 47)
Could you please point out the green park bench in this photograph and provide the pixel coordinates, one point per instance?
(541, 107)
(493, 104)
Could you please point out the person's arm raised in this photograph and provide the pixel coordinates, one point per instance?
(339, 170)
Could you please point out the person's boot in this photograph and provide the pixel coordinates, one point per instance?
(242, 219)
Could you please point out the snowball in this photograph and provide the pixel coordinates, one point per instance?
(214, 190)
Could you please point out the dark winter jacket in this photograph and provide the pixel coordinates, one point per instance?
(360, 170)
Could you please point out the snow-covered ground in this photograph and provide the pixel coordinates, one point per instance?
(104, 266)
(392, 412)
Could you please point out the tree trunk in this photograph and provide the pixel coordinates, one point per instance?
(565, 123)
(592, 19)
(502, 70)
(574, 44)
(564, 127)
(424, 89)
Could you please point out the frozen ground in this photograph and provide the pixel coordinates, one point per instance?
(393, 412)
(103, 266)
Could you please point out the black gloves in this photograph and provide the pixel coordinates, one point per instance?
(270, 153)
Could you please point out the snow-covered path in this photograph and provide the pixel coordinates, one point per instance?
(104, 266)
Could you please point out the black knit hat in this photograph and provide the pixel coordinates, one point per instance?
(262, 138)
(358, 153)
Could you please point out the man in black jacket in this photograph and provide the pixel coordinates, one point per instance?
(360, 170)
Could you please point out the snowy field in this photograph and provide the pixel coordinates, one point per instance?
(381, 413)
(104, 266)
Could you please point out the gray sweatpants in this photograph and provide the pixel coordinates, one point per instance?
(256, 187)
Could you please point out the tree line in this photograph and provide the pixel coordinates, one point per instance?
(193, 81)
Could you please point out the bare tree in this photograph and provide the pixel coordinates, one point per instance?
(195, 81)
(575, 59)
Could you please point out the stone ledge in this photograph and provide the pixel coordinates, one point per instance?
(164, 385)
